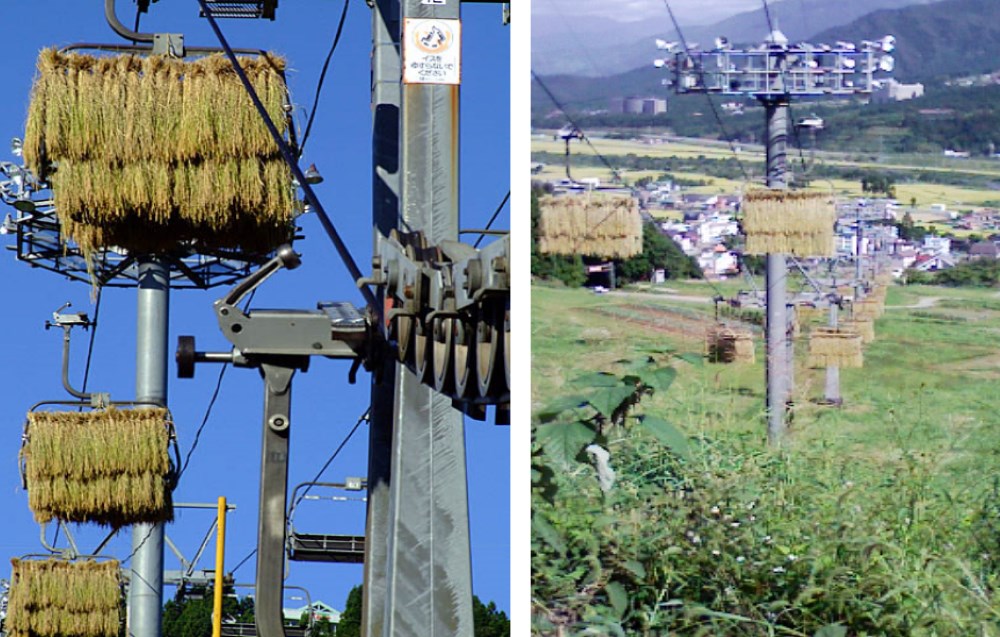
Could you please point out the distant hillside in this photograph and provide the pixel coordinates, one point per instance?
(948, 38)
(588, 46)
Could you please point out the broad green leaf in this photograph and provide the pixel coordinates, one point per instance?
(563, 441)
(659, 379)
(564, 403)
(641, 363)
(692, 357)
(541, 529)
(667, 435)
(595, 379)
(831, 630)
(636, 568)
(608, 399)
(618, 597)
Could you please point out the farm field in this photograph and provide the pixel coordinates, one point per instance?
(925, 194)
(878, 518)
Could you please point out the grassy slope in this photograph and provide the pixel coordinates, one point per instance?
(927, 379)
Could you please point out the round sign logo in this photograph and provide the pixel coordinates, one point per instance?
(432, 37)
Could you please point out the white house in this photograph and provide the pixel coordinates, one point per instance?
(319, 610)
(937, 245)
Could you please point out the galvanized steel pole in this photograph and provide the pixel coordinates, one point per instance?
(832, 393)
(145, 601)
(428, 566)
(386, 98)
(778, 363)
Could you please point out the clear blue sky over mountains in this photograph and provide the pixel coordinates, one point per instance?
(325, 407)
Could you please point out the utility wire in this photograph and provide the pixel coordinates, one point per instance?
(566, 114)
(326, 465)
(93, 336)
(489, 224)
(211, 403)
(784, 81)
(322, 77)
(711, 103)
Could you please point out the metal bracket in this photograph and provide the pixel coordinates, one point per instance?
(169, 44)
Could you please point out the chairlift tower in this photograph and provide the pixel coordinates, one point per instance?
(774, 73)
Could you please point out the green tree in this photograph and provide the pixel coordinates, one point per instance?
(350, 619)
(658, 251)
(488, 620)
(191, 616)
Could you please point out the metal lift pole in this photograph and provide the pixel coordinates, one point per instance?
(145, 601)
(778, 363)
(386, 98)
(428, 568)
(832, 389)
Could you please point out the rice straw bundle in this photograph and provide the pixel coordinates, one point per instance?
(808, 314)
(788, 222)
(869, 308)
(726, 345)
(55, 598)
(607, 226)
(864, 327)
(834, 347)
(146, 152)
(110, 467)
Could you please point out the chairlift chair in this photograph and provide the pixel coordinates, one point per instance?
(314, 547)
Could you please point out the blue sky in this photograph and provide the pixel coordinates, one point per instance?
(325, 407)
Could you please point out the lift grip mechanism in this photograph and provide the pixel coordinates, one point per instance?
(334, 330)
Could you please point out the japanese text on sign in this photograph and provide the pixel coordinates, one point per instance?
(431, 51)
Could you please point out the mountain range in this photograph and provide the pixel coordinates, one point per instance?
(592, 46)
(947, 38)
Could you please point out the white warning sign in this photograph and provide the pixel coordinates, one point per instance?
(432, 51)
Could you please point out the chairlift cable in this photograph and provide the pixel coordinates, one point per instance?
(322, 78)
(489, 224)
(211, 404)
(791, 113)
(326, 465)
(93, 336)
(711, 103)
(604, 160)
(292, 162)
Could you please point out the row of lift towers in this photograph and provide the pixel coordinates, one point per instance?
(774, 73)
(435, 336)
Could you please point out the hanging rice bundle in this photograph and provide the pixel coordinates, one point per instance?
(55, 598)
(788, 222)
(808, 314)
(110, 467)
(607, 226)
(726, 345)
(835, 347)
(864, 327)
(868, 309)
(144, 153)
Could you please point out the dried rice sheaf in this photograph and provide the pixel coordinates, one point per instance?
(788, 222)
(600, 225)
(835, 347)
(726, 345)
(143, 153)
(56, 598)
(110, 467)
